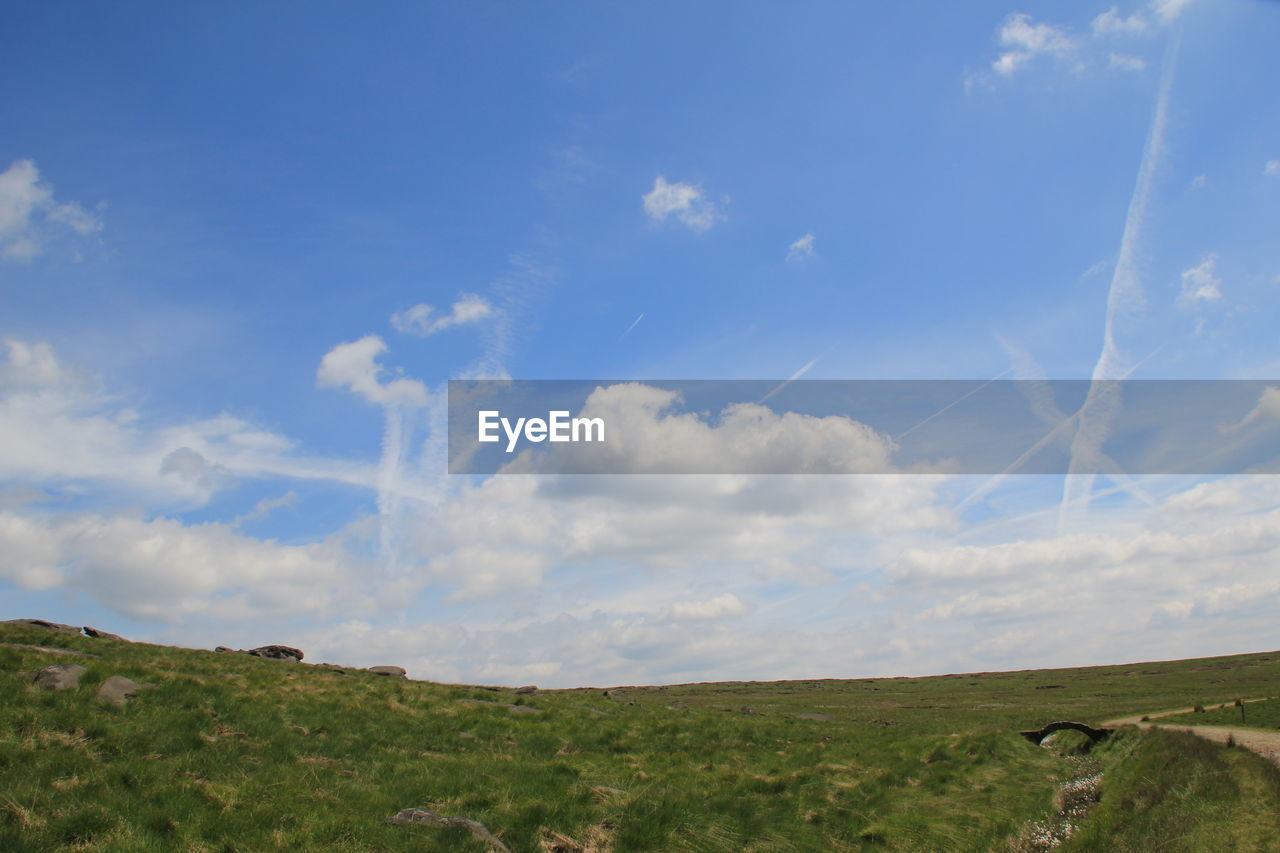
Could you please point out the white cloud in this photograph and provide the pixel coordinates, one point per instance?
(1201, 283)
(354, 367)
(1027, 40)
(685, 201)
(648, 436)
(1272, 169)
(1111, 21)
(28, 212)
(1024, 39)
(419, 320)
(164, 571)
(1199, 182)
(711, 609)
(1169, 10)
(801, 249)
(1121, 62)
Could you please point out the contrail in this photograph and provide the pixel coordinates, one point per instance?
(1124, 297)
(634, 323)
(389, 483)
(801, 372)
(953, 403)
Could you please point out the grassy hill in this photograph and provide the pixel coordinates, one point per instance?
(229, 752)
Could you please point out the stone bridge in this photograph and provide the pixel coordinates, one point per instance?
(1038, 735)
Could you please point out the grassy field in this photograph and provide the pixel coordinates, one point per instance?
(234, 753)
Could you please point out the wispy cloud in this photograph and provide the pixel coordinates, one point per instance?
(801, 249)
(423, 320)
(686, 202)
(1272, 169)
(30, 216)
(1201, 283)
(1026, 40)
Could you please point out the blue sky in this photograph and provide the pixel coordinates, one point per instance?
(200, 209)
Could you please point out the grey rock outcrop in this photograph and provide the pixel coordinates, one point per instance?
(118, 690)
(527, 690)
(277, 653)
(59, 676)
(390, 671)
(101, 635)
(48, 626)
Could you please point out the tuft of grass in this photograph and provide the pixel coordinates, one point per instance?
(1172, 791)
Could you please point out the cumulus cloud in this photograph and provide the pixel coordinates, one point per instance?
(353, 366)
(164, 571)
(686, 202)
(1201, 283)
(60, 427)
(647, 435)
(30, 216)
(1111, 21)
(1272, 169)
(423, 320)
(1026, 40)
(801, 249)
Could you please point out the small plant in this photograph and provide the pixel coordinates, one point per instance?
(1199, 709)
(1146, 718)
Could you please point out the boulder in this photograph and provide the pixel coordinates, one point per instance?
(117, 689)
(48, 626)
(527, 690)
(277, 653)
(390, 671)
(101, 635)
(60, 676)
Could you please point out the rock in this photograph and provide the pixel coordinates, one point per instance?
(48, 626)
(749, 711)
(618, 696)
(224, 649)
(102, 635)
(117, 689)
(527, 690)
(422, 817)
(390, 671)
(60, 676)
(277, 653)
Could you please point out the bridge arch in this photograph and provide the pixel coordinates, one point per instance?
(1040, 734)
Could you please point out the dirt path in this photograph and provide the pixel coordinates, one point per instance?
(1266, 744)
(1136, 720)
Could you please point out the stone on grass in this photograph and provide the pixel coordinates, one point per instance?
(390, 671)
(60, 676)
(422, 817)
(277, 653)
(117, 689)
(101, 635)
(527, 690)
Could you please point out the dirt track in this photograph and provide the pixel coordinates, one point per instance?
(1266, 744)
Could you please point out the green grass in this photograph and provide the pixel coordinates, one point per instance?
(1257, 715)
(234, 753)
(1172, 791)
